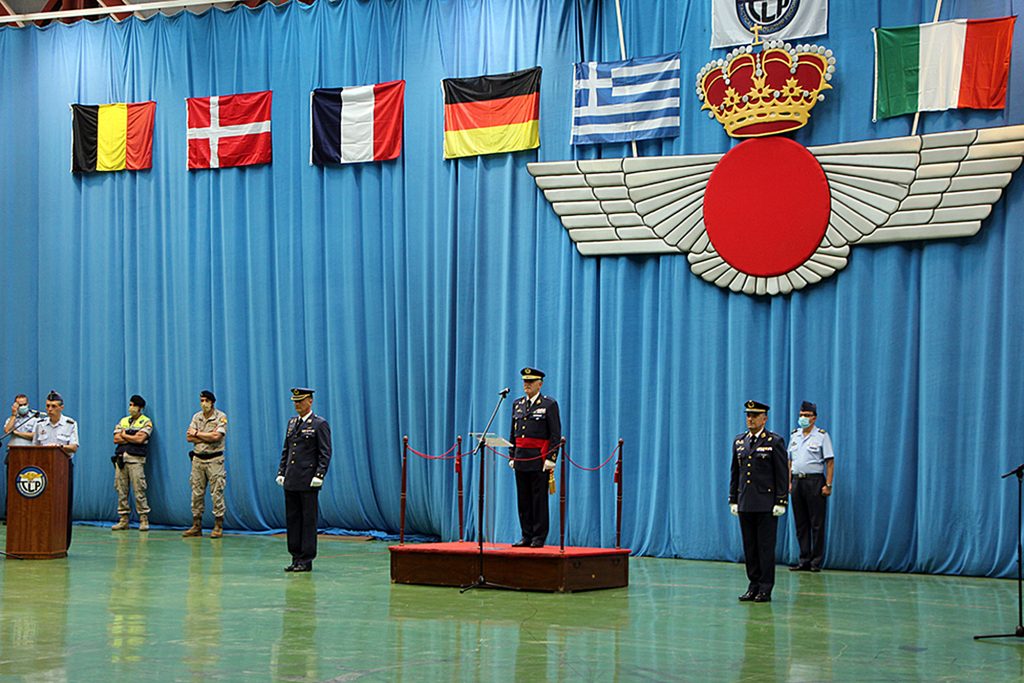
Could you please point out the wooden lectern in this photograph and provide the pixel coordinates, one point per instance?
(37, 502)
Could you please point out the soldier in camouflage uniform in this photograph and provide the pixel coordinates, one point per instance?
(208, 430)
(131, 435)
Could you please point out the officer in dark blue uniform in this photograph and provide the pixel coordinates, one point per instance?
(535, 436)
(304, 461)
(758, 490)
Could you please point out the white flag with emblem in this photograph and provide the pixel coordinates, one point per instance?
(733, 21)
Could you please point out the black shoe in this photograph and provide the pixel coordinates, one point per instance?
(748, 596)
(291, 567)
(800, 568)
(814, 569)
(522, 543)
(537, 543)
(303, 567)
(763, 597)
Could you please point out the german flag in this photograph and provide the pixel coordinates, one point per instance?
(491, 114)
(112, 137)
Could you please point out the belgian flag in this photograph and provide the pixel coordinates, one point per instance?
(112, 137)
(491, 114)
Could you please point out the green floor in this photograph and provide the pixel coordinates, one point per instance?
(136, 607)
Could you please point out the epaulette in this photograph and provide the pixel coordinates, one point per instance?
(795, 430)
(70, 421)
(822, 430)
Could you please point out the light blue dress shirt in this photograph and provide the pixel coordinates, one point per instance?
(809, 453)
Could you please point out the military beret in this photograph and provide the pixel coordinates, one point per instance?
(531, 374)
(301, 393)
(755, 407)
(207, 394)
(54, 396)
(137, 400)
(808, 407)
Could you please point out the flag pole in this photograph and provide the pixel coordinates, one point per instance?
(917, 114)
(622, 48)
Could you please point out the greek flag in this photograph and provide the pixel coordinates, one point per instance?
(636, 99)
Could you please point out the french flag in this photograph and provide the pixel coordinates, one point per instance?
(351, 125)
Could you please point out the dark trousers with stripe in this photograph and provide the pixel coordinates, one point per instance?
(301, 511)
(759, 530)
(532, 498)
(809, 518)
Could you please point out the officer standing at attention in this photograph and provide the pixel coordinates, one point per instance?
(535, 434)
(811, 463)
(131, 435)
(304, 461)
(758, 486)
(58, 430)
(208, 430)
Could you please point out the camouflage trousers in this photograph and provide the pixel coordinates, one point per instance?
(208, 472)
(131, 475)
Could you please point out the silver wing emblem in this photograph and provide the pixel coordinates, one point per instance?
(918, 187)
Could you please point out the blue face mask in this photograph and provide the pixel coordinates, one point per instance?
(804, 422)
(22, 410)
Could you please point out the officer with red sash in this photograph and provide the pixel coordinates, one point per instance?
(535, 435)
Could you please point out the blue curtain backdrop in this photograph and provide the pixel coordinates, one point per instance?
(409, 292)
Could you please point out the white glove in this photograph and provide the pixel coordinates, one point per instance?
(549, 465)
(734, 509)
(511, 463)
(778, 510)
(316, 482)
(280, 480)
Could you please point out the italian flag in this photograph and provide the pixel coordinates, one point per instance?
(963, 63)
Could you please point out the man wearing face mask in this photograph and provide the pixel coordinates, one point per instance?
(20, 426)
(536, 432)
(811, 463)
(208, 431)
(757, 495)
(131, 435)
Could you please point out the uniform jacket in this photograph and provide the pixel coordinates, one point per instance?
(306, 452)
(760, 472)
(539, 421)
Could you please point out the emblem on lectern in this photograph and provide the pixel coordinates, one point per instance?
(30, 482)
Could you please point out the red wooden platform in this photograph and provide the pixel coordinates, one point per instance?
(533, 569)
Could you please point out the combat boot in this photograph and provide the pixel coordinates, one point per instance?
(196, 529)
(143, 522)
(218, 527)
(121, 524)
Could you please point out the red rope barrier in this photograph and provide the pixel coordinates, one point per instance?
(443, 456)
(591, 469)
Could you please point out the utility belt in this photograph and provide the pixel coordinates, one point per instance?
(137, 449)
(205, 456)
(807, 475)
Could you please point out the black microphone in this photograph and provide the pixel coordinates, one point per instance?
(504, 392)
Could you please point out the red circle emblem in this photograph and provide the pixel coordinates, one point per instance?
(766, 206)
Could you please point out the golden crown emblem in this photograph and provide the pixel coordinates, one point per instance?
(754, 94)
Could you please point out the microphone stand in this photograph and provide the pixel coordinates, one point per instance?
(481, 582)
(1019, 630)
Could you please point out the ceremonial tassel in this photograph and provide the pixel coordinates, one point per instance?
(551, 482)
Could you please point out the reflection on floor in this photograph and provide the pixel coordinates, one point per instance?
(139, 607)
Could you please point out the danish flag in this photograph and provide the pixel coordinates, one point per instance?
(229, 130)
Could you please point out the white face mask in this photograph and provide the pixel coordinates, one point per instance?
(22, 410)
(804, 421)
